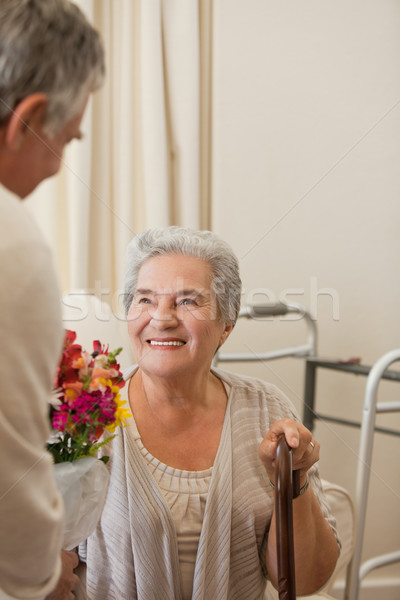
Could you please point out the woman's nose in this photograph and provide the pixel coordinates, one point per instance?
(164, 315)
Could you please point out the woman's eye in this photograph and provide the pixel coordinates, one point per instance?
(189, 301)
(144, 301)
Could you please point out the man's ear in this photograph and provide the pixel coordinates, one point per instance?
(26, 117)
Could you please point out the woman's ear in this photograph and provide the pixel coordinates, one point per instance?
(27, 117)
(226, 333)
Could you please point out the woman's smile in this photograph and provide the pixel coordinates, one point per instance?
(166, 343)
(173, 321)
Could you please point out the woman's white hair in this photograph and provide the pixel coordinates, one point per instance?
(226, 283)
(48, 46)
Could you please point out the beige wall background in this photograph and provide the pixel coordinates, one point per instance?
(305, 186)
(276, 124)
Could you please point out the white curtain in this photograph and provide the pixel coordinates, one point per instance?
(145, 157)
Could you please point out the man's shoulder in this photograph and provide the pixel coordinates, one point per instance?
(29, 279)
(17, 226)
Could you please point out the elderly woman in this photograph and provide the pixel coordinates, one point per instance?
(190, 508)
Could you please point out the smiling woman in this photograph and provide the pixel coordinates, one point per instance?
(173, 321)
(190, 507)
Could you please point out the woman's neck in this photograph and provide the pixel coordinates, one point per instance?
(179, 426)
(191, 393)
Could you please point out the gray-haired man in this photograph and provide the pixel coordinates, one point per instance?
(51, 60)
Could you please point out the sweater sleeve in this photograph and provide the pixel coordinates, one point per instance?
(31, 510)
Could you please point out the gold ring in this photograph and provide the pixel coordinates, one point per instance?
(312, 444)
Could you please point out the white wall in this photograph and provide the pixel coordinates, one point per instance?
(306, 186)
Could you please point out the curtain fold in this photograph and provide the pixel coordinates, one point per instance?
(181, 46)
(78, 191)
(153, 109)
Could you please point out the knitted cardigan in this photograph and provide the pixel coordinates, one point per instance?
(134, 552)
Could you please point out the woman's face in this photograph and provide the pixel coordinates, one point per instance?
(173, 322)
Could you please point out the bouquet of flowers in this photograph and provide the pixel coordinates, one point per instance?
(86, 403)
(87, 400)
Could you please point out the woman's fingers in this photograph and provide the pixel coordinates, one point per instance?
(307, 453)
(305, 448)
(287, 427)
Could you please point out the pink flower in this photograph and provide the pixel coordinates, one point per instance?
(87, 387)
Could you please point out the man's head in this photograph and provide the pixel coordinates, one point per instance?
(51, 59)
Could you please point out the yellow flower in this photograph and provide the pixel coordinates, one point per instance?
(121, 413)
(70, 394)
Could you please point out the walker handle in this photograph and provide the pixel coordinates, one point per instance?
(269, 310)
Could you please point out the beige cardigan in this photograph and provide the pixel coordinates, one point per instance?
(133, 554)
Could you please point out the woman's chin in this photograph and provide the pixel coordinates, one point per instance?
(165, 369)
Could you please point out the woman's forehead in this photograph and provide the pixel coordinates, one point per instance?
(174, 273)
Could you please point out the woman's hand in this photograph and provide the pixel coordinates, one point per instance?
(315, 545)
(305, 449)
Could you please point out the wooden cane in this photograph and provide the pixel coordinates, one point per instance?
(287, 483)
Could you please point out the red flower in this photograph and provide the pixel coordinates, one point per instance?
(88, 387)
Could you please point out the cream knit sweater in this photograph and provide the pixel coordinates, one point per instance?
(134, 552)
(31, 510)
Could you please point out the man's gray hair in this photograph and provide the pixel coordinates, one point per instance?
(48, 46)
(226, 283)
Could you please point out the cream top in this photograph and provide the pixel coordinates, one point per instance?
(185, 493)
